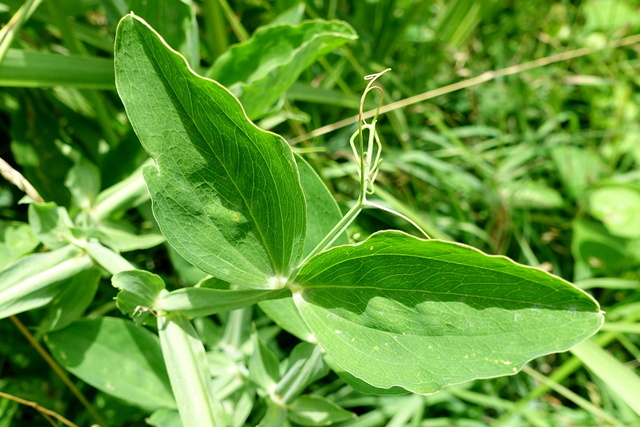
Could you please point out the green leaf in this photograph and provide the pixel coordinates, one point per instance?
(115, 356)
(532, 195)
(119, 237)
(264, 367)
(261, 70)
(283, 311)
(359, 385)
(108, 259)
(139, 290)
(276, 416)
(188, 369)
(578, 168)
(38, 69)
(165, 418)
(217, 176)
(35, 280)
(77, 294)
(16, 239)
(400, 311)
(305, 365)
(51, 224)
(618, 207)
(622, 380)
(323, 214)
(83, 182)
(596, 251)
(175, 21)
(126, 194)
(317, 411)
(199, 302)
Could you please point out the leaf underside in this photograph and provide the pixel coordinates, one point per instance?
(226, 194)
(399, 311)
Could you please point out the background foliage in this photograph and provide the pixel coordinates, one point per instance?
(541, 165)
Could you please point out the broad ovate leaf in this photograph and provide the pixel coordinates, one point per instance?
(260, 70)
(225, 194)
(117, 357)
(396, 310)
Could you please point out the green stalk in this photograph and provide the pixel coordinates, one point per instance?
(235, 23)
(58, 370)
(11, 28)
(188, 368)
(335, 232)
(299, 384)
(369, 162)
(76, 48)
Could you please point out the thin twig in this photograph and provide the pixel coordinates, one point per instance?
(47, 413)
(56, 368)
(16, 178)
(482, 78)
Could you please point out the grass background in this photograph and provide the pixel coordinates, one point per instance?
(508, 163)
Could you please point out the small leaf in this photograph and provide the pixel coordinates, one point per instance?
(16, 239)
(276, 416)
(51, 224)
(618, 207)
(260, 70)
(188, 369)
(116, 357)
(317, 411)
(532, 195)
(323, 212)
(225, 194)
(139, 291)
(35, 280)
(264, 367)
(165, 418)
(76, 295)
(305, 365)
(83, 182)
(578, 168)
(123, 240)
(400, 311)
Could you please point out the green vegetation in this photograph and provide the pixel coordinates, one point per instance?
(185, 267)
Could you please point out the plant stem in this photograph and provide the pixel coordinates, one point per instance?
(56, 368)
(77, 48)
(47, 413)
(235, 23)
(298, 385)
(11, 28)
(335, 232)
